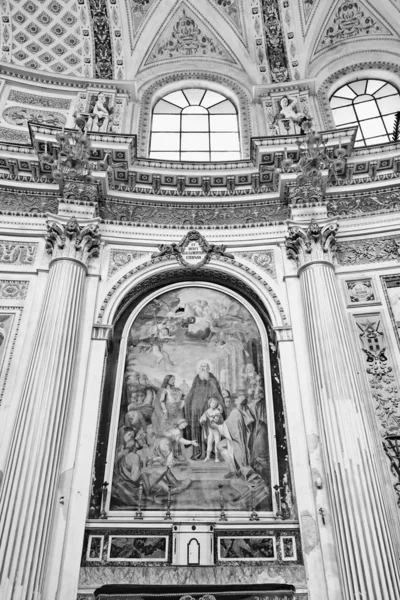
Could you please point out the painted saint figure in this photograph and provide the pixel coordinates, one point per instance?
(212, 414)
(205, 386)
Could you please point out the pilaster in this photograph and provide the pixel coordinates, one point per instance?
(30, 480)
(365, 547)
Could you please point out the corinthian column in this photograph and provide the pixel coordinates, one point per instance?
(30, 479)
(368, 562)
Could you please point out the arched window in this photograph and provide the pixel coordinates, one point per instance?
(372, 105)
(195, 125)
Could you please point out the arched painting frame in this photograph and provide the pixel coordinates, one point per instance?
(167, 334)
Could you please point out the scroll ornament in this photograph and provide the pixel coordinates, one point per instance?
(71, 240)
(311, 244)
(192, 251)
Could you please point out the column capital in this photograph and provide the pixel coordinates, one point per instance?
(310, 243)
(68, 239)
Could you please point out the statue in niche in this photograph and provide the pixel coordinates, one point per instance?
(290, 117)
(100, 114)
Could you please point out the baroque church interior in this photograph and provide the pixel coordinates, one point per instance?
(200, 299)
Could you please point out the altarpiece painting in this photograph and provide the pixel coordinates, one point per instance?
(192, 406)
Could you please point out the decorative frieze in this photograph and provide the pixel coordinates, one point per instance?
(11, 201)
(380, 371)
(17, 253)
(14, 135)
(120, 258)
(20, 115)
(366, 251)
(276, 51)
(360, 204)
(38, 100)
(312, 243)
(13, 289)
(264, 259)
(70, 240)
(195, 215)
(103, 55)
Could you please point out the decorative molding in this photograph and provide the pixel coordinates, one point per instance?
(275, 43)
(116, 15)
(232, 9)
(347, 21)
(185, 35)
(392, 282)
(367, 251)
(360, 204)
(380, 371)
(307, 11)
(193, 215)
(95, 576)
(20, 115)
(36, 100)
(103, 56)
(70, 240)
(15, 136)
(265, 260)
(102, 332)
(6, 31)
(8, 337)
(17, 253)
(150, 96)
(34, 204)
(183, 273)
(137, 11)
(13, 289)
(120, 258)
(314, 243)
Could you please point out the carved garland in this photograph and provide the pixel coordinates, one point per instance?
(150, 93)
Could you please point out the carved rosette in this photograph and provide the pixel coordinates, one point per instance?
(71, 240)
(313, 243)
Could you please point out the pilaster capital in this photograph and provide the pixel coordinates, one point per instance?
(310, 243)
(68, 239)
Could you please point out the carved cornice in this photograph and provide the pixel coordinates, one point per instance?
(72, 240)
(307, 244)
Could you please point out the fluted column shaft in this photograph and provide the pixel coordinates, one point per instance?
(32, 470)
(368, 562)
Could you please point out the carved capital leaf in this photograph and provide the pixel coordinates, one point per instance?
(72, 240)
(306, 244)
